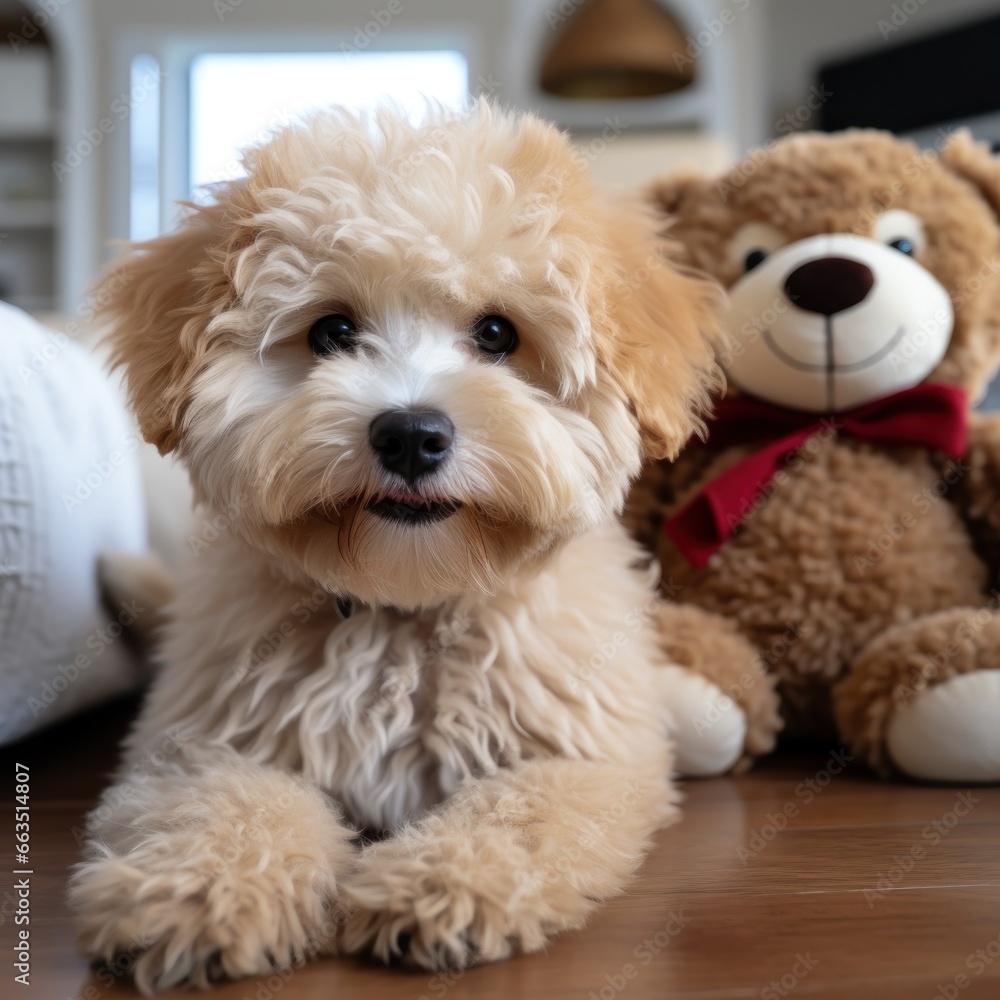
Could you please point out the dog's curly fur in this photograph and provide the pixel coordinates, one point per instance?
(450, 709)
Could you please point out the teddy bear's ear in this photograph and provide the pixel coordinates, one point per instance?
(975, 162)
(669, 193)
(154, 303)
(664, 328)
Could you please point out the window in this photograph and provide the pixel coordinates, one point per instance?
(143, 107)
(237, 99)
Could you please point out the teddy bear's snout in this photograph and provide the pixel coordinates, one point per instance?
(829, 285)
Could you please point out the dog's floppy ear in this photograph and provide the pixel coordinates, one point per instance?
(155, 302)
(665, 325)
(974, 162)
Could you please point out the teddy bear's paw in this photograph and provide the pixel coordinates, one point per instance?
(950, 731)
(709, 728)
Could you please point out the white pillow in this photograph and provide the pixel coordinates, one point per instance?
(70, 488)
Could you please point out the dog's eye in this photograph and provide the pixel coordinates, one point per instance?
(753, 258)
(495, 335)
(333, 333)
(903, 245)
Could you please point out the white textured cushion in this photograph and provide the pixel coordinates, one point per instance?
(70, 488)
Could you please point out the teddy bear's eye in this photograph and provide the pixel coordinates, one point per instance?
(495, 335)
(332, 333)
(753, 243)
(901, 230)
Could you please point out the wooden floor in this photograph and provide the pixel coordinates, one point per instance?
(793, 880)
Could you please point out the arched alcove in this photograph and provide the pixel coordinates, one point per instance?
(712, 51)
(617, 49)
(75, 192)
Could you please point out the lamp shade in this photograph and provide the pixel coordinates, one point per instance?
(617, 49)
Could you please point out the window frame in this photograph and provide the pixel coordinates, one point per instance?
(175, 51)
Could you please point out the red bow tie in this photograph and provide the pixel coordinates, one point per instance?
(929, 415)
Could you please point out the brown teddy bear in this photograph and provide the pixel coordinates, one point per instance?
(834, 542)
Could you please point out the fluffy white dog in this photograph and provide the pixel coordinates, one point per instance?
(412, 371)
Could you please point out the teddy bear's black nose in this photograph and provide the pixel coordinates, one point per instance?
(411, 442)
(829, 285)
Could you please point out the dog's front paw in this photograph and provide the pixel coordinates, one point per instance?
(445, 902)
(221, 878)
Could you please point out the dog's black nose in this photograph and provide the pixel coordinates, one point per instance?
(411, 442)
(829, 285)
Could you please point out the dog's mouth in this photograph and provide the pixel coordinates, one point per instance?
(404, 507)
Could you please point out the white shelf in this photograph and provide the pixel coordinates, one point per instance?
(28, 213)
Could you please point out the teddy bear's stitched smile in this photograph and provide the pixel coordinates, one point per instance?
(830, 365)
